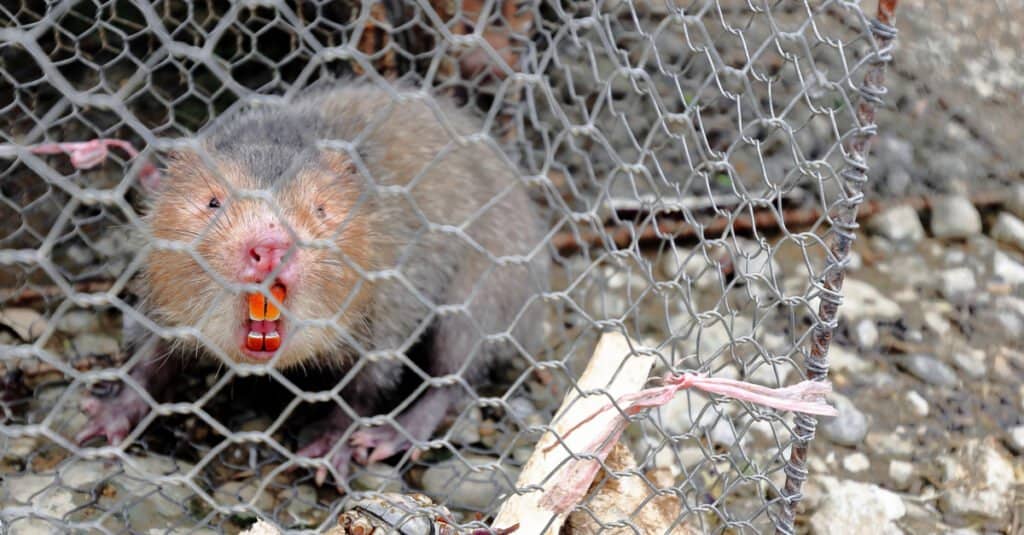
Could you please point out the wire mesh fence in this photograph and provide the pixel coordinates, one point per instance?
(381, 240)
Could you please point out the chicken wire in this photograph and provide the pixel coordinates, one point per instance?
(698, 167)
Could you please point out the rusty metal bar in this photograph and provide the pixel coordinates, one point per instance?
(843, 225)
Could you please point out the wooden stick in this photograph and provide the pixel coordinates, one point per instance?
(612, 371)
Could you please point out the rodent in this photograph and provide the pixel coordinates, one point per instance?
(375, 218)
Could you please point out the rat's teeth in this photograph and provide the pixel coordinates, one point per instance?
(272, 341)
(273, 314)
(257, 306)
(254, 341)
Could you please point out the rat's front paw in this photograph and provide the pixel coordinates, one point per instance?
(377, 443)
(111, 417)
(339, 460)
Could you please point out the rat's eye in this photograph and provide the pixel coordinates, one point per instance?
(214, 203)
(321, 212)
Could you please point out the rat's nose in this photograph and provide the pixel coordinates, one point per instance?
(263, 254)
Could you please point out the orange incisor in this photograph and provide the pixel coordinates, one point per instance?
(263, 309)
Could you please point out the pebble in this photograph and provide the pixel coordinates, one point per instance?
(863, 301)
(27, 323)
(899, 224)
(1015, 200)
(889, 444)
(454, 482)
(94, 344)
(971, 362)
(1017, 438)
(843, 359)
(936, 322)
(377, 477)
(849, 427)
(302, 507)
(466, 430)
(1009, 229)
(930, 370)
(900, 473)
(954, 217)
(244, 493)
(979, 481)
(854, 508)
(918, 405)
(956, 284)
(865, 334)
(78, 322)
(856, 462)
(1007, 269)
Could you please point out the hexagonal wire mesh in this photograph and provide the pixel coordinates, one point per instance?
(695, 168)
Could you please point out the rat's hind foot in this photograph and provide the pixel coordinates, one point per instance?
(335, 427)
(417, 424)
(112, 417)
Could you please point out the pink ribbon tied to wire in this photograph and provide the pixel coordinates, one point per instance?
(88, 154)
(807, 397)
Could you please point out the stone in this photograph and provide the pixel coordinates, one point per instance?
(890, 444)
(854, 508)
(1015, 200)
(246, 494)
(856, 462)
(475, 483)
(1017, 438)
(849, 427)
(954, 217)
(27, 323)
(466, 430)
(1009, 229)
(971, 362)
(918, 405)
(843, 359)
(900, 473)
(863, 301)
(94, 344)
(78, 322)
(301, 506)
(930, 370)
(979, 482)
(865, 334)
(1007, 269)
(377, 477)
(899, 224)
(957, 284)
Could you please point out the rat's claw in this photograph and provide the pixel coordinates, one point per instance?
(111, 418)
(385, 442)
(339, 461)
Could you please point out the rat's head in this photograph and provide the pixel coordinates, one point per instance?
(235, 247)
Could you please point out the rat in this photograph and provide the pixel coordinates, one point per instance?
(378, 235)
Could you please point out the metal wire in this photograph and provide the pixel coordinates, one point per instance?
(697, 165)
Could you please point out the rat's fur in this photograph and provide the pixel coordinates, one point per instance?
(428, 239)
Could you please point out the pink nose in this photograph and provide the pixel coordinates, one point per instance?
(264, 254)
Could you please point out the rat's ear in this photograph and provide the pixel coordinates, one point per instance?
(339, 163)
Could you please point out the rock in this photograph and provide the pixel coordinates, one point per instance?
(856, 462)
(843, 359)
(918, 405)
(865, 334)
(301, 507)
(1017, 438)
(957, 283)
(377, 477)
(979, 482)
(890, 444)
(930, 370)
(863, 301)
(1007, 269)
(466, 430)
(25, 322)
(971, 362)
(94, 344)
(900, 473)
(899, 224)
(849, 427)
(850, 507)
(78, 322)
(1015, 200)
(1009, 229)
(41, 492)
(475, 486)
(936, 322)
(18, 447)
(247, 494)
(954, 217)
